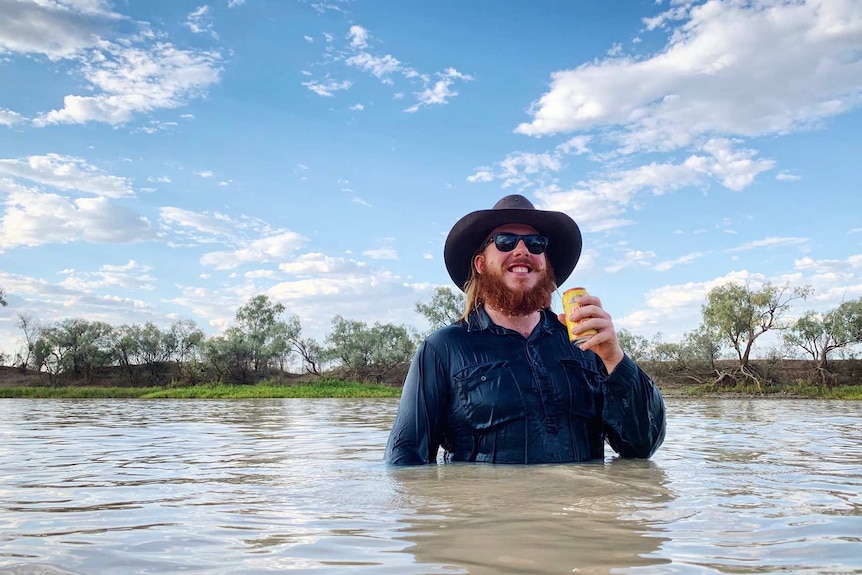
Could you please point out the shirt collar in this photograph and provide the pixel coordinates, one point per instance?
(479, 320)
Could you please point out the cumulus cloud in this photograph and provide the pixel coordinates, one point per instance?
(8, 117)
(66, 173)
(601, 202)
(734, 68)
(358, 37)
(32, 218)
(58, 29)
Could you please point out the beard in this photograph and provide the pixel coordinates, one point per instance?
(494, 293)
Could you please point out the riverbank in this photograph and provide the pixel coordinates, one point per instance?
(786, 379)
(342, 389)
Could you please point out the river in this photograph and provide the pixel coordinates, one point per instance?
(297, 485)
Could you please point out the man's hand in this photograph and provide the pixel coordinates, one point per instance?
(605, 343)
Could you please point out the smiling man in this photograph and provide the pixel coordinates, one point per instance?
(504, 384)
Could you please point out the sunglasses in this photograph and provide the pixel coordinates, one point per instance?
(507, 241)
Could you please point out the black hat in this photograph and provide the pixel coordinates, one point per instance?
(564, 236)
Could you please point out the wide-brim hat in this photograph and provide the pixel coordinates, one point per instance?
(468, 233)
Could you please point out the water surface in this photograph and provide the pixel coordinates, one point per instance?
(297, 485)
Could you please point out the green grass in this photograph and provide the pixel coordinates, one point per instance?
(322, 388)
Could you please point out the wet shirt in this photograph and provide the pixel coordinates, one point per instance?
(483, 392)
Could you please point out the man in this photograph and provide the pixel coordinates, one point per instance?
(505, 384)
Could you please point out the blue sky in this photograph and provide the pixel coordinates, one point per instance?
(171, 160)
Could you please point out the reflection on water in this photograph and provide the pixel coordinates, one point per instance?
(92, 487)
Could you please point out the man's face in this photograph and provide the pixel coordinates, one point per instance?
(516, 282)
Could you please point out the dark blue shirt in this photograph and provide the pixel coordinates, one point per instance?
(486, 393)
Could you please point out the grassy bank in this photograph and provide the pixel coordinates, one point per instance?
(324, 388)
(345, 389)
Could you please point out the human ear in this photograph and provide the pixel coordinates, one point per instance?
(479, 263)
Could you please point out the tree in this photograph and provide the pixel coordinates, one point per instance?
(362, 350)
(266, 336)
(739, 314)
(31, 331)
(636, 346)
(2, 298)
(75, 347)
(445, 307)
(821, 334)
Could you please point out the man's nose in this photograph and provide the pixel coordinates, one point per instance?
(521, 247)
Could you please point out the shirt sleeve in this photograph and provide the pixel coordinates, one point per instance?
(416, 434)
(633, 413)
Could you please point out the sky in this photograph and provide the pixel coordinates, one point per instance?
(171, 160)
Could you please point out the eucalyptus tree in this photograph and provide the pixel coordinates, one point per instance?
(446, 307)
(636, 346)
(267, 337)
(821, 334)
(739, 313)
(75, 347)
(361, 349)
(2, 298)
(31, 330)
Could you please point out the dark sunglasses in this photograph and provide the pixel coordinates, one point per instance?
(506, 242)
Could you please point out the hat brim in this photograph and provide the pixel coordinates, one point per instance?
(564, 239)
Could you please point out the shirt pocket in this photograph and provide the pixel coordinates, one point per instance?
(585, 388)
(489, 395)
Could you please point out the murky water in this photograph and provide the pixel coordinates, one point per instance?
(224, 487)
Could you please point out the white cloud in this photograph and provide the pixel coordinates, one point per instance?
(327, 88)
(666, 265)
(66, 173)
(380, 67)
(772, 242)
(32, 218)
(786, 177)
(321, 264)
(357, 107)
(382, 253)
(129, 80)
(358, 37)
(211, 227)
(58, 29)
(629, 259)
(200, 21)
(204, 174)
(8, 117)
(440, 92)
(735, 68)
(235, 3)
(276, 247)
(132, 275)
(516, 168)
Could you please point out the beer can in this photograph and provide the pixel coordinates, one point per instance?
(570, 302)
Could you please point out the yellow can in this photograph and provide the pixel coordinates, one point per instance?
(570, 302)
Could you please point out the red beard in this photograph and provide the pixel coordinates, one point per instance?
(494, 293)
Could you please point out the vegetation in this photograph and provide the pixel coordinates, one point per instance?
(264, 354)
(328, 388)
